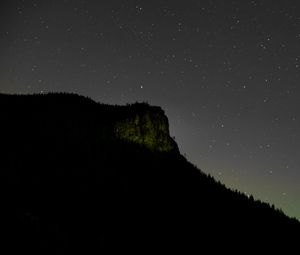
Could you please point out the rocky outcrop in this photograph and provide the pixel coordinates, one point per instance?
(146, 125)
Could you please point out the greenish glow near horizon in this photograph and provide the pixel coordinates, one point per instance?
(244, 183)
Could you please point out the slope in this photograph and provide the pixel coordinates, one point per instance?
(78, 177)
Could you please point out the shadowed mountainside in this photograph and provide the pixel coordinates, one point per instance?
(79, 177)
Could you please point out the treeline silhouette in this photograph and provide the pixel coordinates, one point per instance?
(69, 186)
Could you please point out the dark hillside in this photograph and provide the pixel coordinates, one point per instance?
(82, 177)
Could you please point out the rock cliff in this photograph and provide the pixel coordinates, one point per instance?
(146, 125)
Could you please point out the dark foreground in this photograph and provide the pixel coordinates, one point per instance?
(69, 186)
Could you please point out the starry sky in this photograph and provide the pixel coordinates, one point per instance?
(226, 72)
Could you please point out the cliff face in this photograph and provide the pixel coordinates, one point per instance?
(147, 126)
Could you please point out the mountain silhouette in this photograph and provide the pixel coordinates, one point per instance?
(80, 177)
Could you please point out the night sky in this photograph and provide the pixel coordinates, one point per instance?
(227, 74)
